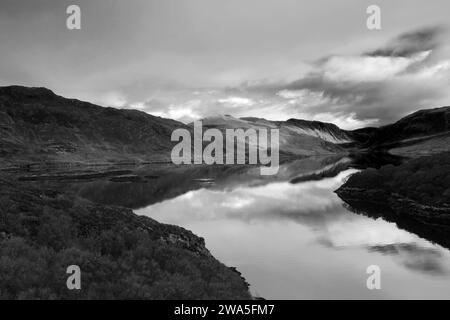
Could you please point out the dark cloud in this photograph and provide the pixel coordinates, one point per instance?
(410, 43)
(386, 100)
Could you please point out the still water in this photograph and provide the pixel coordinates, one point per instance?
(298, 241)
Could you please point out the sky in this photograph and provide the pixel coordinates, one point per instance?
(274, 59)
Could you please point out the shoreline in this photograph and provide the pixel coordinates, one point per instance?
(429, 222)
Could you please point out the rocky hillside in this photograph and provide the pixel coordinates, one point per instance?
(37, 125)
(297, 137)
(323, 130)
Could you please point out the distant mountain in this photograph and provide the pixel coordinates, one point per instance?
(37, 125)
(297, 137)
(326, 131)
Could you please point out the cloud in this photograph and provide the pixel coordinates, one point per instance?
(411, 43)
(304, 97)
(437, 70)
(377, 87)
(368, 68)
(236, 102)
(111, 99)
(184, 112)
(369, 88)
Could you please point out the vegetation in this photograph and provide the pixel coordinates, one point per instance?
(121, 255)
(425, 180)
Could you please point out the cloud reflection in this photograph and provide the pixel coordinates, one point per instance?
(310, 204)
(415, 257)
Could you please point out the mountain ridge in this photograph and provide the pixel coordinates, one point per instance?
(39, 126)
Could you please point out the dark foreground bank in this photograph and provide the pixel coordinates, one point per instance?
(120, 255)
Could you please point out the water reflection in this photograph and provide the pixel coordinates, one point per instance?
(299, 241)
(411, 255)
(155, 183)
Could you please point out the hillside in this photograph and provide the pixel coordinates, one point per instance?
(121, 255)
(297, 137)
(37, 125)
(420, 133)
(422, 123)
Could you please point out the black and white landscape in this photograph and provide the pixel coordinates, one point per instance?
(87, 178)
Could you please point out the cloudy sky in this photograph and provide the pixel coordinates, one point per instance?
(277, 59)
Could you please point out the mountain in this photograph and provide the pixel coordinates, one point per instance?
(422, 132)
(297, 137)
(37, 125)
(326, 131)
